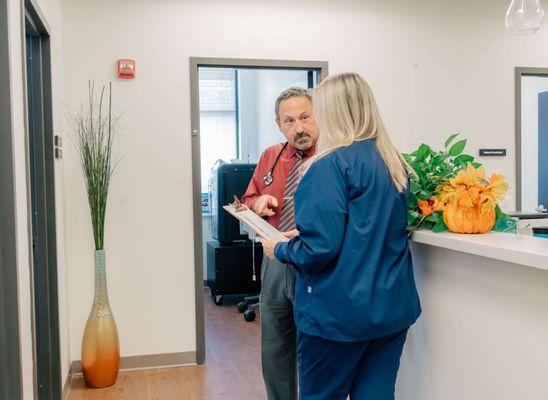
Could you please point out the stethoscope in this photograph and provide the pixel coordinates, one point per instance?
(269, 178)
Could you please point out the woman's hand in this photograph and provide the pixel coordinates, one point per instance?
(269, 245)
(268, 248)
(291, 234)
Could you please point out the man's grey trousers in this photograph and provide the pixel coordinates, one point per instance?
(278, 331)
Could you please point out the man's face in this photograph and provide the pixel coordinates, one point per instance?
(297, 123)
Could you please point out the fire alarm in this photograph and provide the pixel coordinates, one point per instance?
(126, 69)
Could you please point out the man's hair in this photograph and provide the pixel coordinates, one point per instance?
(289, 93)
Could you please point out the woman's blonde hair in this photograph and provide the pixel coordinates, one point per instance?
(346, 111)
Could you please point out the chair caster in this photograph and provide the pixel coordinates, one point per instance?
(249, 315)
(241, 306)
(218, 299)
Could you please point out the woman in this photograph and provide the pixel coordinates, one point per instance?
(355, 294)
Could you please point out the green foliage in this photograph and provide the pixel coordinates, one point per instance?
(94, 136)
(503, 222)
(433, 168)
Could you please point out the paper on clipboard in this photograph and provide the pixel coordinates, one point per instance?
(258, 225)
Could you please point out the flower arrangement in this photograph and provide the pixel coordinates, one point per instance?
(450, 191)
(469, 201)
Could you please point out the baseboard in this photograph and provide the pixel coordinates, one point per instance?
(66, 386)
(148, 361)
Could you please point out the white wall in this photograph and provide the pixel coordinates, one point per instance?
(248, 105)
(259, 90)
(51, 10)
(482, 333)
(437, 68)
(270, 84)
(531, 86)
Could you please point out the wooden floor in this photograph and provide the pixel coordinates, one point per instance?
(232, 370)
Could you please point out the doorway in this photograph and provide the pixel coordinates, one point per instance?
(238, 78)
(531, 139)
(41, 188)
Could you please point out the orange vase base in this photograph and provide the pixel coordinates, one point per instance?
(104, 373)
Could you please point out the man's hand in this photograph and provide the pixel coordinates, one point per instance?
(291, 234)
(263, 205)
(268, 248)
(241, 207)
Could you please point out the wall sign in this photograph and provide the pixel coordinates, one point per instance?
(492, 152)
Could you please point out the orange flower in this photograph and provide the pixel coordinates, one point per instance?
(469, 200)
(425, 208)
(436, 204)
(497, 185)
(470, 177)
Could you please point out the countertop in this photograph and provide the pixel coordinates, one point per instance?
(518, 249)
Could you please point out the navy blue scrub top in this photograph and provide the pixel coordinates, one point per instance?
(355, 270)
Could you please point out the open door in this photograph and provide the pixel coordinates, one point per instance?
(42, 195)
(218, 90)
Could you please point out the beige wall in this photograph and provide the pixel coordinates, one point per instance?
(437, 67)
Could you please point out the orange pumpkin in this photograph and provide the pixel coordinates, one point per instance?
(469, 199)
(463, 219)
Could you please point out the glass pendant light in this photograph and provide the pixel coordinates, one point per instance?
(524, 17)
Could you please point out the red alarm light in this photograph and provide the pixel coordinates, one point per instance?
(126, 69)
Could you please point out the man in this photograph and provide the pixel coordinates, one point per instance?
(270, 195)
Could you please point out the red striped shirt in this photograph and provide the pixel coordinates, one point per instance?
(257, 186)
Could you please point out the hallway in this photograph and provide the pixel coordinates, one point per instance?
(232, 370)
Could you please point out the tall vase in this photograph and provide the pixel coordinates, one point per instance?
(100, 345)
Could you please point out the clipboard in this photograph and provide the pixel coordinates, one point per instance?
(255, 223)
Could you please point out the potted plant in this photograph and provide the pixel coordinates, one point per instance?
(94, 136)
(449, 190)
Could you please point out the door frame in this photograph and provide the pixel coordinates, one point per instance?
(520, 72)
(10, 362)
(195, 63)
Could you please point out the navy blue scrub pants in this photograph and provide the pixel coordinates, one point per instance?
(331, 370)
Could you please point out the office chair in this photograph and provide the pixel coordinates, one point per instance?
(248, 306)
(250, 303)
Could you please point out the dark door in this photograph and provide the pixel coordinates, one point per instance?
(542, 149)
(41, 171)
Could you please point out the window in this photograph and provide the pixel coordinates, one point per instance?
(218, 118)
(237, 113)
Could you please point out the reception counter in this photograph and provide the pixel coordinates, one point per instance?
(483, 334)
